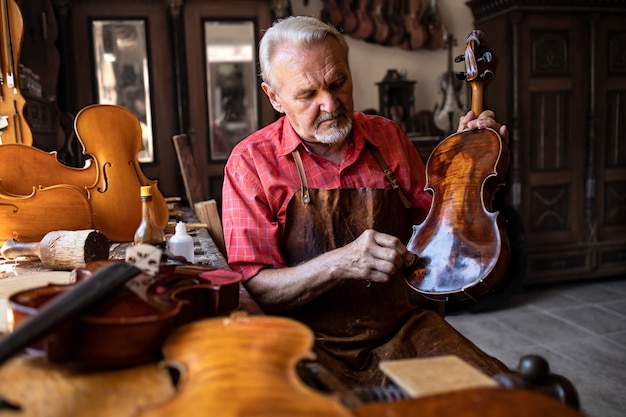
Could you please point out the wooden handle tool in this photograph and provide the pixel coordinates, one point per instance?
(62, 249)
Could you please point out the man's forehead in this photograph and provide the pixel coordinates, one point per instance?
(314, 64)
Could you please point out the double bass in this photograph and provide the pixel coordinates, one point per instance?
(13, 126)
(462, 247)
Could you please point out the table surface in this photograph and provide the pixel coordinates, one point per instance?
(49, 390)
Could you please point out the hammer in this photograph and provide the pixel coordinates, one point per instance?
(62, 249)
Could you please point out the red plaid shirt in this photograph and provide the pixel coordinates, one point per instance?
(261, 177)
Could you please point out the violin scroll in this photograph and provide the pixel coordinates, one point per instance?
(480, 65)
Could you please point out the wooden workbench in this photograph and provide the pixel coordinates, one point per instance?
(43, 389)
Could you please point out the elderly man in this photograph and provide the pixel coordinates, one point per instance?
(318, 206)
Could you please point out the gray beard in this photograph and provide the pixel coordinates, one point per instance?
(334, 135)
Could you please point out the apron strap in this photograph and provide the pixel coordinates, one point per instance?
(306, 196)
(392, 180)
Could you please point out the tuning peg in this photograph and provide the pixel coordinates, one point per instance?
(460, 75)
(488, 74)
(487, 57)
(459, 58)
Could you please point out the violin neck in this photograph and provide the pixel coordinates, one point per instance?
(477, 98)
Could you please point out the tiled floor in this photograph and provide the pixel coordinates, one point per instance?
(580, 328)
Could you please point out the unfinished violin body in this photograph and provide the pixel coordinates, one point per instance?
(29, 217)
(242, 366)
(106, 190)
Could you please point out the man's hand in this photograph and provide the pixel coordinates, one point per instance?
(484, 120)
(373, 256)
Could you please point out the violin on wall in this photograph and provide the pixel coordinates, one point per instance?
(448, 112)
(13, 126)
(462, 247)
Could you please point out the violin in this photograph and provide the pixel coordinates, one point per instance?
(38, 194)
(462, 248)
(448, 112)
(331, 13)
(366, 27)
(397, 31)
(350, 21)
(382, 29)
(416, 33)
(115, 314)
(431, 20)
(13, 126)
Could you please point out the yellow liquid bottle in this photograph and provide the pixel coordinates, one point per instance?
(148, 231)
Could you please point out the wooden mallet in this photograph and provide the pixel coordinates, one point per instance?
(62, 249)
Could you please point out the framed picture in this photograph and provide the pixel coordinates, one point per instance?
(232, 90)
(122, 77)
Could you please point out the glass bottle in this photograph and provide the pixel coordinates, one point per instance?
(148, 231)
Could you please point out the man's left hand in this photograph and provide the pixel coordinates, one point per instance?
(484, 120)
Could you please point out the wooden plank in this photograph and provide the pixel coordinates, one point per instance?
(421, 377)
(207, 212)
(188, 170)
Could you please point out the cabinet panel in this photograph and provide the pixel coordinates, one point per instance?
(550, 107)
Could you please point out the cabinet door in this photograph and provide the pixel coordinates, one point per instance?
(553, 82)
(609, 165)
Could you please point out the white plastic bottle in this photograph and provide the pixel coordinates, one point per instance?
(181, 244)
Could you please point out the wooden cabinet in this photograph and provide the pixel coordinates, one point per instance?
(560, 87)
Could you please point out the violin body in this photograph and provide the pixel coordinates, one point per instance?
(397, 31)
(109, 182)
(366, 27)
(13, 126)
(242, 366)
(331, 13)
(350, 21)
(381, 23)
(416, 33)
(28, 217)
(23, 167)
(112, 136)
(462, 247)
(125, 328)
(431, 20)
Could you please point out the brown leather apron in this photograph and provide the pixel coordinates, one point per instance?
(358, 323)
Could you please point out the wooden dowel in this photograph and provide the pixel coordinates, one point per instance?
(207, 212)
